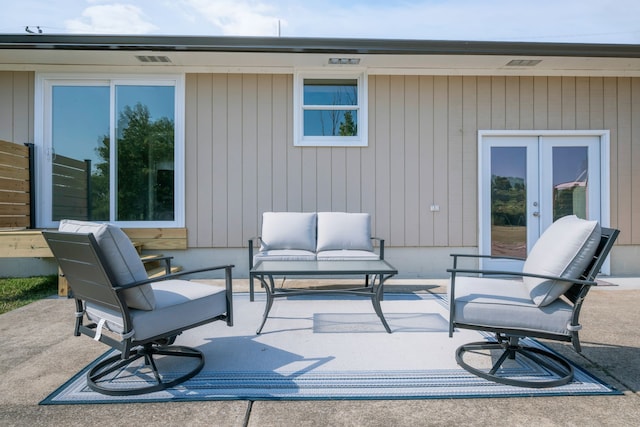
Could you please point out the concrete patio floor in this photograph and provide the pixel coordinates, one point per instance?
(39, 353)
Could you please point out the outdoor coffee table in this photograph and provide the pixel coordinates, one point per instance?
(378, 270)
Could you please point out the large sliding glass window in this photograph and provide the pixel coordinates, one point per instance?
(111, 150)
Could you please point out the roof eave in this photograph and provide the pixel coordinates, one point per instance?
(313, 45)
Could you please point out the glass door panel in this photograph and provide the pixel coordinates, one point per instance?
(145, 153)
(80, 152)
(509, 201)
(570, 183)
(569, 178)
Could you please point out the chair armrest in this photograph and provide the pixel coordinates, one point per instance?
(381, 245)
(486, 256)
(521, 274)
(173, 276)
(456, 256)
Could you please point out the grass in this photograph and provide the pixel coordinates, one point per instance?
(16, 292)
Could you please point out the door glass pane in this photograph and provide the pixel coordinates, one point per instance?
(80, 141)
(145, 153)
(570, 172)
(508, 201)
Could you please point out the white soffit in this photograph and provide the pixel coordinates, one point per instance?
(265, 62)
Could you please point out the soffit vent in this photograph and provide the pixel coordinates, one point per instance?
(344, 61)
(524, 62)
(153, 58)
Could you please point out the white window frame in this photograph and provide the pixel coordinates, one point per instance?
(300, 140)
(43, 142)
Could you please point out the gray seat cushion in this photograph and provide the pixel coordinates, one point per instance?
(288, 230)
(284, 255)
(564, 250)
(343, 230)
(501, 303)
(179, 304)
(121, 257)
(344, 254)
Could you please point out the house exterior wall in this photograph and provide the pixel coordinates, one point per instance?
(422, 150)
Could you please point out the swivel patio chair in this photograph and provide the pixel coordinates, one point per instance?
(119, 306)
(542, 301)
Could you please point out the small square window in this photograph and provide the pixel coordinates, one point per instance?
(330, 110)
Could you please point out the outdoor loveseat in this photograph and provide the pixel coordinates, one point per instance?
(310, 236)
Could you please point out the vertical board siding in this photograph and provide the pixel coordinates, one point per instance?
(16, 106)
(410, 174)
(422, 152)
(425, 197)
(469, 162)
(396, 164)
(635, 153)
(624, 159)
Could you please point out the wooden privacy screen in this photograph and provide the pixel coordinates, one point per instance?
(71, 185)
(15, 197)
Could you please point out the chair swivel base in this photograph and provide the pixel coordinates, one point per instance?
(99, 378)
(553, 363)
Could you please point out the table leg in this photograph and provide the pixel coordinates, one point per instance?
(268, 303)
(376, 296)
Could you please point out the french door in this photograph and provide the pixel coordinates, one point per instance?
(527, 181)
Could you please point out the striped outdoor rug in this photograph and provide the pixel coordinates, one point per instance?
(331, 347)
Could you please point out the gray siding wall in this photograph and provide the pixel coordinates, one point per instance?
(16, 106)
(422, 151)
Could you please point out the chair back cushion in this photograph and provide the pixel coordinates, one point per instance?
(288, 230)
(121, 257)
(565, 250)
(342, 230)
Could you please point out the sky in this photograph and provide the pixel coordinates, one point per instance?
(572, 21)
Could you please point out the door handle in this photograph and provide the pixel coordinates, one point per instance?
(536, 214)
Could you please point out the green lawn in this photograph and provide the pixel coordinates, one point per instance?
(16, 292)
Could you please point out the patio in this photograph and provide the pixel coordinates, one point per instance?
(40, 353)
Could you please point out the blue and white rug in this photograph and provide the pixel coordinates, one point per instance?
(331, 347)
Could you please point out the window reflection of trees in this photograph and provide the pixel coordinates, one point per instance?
(508, 196)
(340, 122)
(145, 159)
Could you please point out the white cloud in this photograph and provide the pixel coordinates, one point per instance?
(111, 19)
(542, 20)
(238, 17)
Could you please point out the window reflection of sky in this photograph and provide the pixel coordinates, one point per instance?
(510, 162)
(158, 99)
(326, 94)
(569, 164)
(80, 120)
